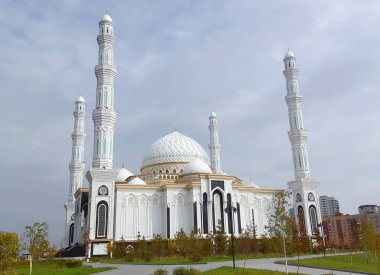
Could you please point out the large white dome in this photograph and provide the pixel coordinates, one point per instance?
(174, 147)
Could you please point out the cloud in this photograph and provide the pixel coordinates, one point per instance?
(176, 62)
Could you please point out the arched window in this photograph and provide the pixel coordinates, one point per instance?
(167, 171)
(218, 210)
(174, 171)
(301, 220)
(229, 204)
(101, 219)
(313, 219)
(205, 217)
(71, 234)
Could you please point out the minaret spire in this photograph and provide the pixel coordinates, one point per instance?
(304, 189)
(77, 154)
(104, 115)
(214, 145)
(297, 134)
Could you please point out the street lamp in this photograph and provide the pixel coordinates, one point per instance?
(231, 210)
(323, 238)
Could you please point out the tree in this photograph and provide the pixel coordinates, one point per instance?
(279, 221)
(158, 246)
(368, 237)
(182, 243)
(9, 247)
(220, 240)
(35, 239)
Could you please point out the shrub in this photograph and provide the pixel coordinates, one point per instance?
(95, 260)
(160, 271)
(129, 257)
(195, 256)
(60, 263)
(73, 264)
(9, 247)
(185, 271)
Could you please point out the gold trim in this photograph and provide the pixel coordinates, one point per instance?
(258, 190)
(80, 190)
(159, 187)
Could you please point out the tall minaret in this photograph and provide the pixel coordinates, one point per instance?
(297, 134)
(76, 167)
(104, 115)
(304, 189)
(214, 144)
(77, 154)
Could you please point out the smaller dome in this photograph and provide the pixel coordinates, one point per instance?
(106, 17)
(80, 99)
(289, 54)
(212, 114)
(136, 181)
(197, 166)
(123, 175)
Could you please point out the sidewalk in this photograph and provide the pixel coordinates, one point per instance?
(265, 263)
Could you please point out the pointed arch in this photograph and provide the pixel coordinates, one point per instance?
(313, 219)
(101, 220)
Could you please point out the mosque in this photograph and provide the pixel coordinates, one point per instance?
(179, 186)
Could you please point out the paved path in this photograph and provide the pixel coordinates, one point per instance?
(123, 269)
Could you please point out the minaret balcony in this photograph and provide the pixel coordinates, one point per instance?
(106, 38)
(105, 70)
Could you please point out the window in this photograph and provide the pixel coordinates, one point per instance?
(313, 219)
(174, 171)
(301, 220)
(205, 217)
(71, 236)
(167, 171)
(101, 223)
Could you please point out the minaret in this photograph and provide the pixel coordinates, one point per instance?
(104, 115)
(77, 153)
(297, 134)
(214, 145)
(304, 189)
(76, 167)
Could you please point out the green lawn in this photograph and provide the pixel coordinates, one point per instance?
(55, 270)
(241, 271)
(359, 263)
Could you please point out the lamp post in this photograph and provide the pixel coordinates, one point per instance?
(323, 238)
(231, 210)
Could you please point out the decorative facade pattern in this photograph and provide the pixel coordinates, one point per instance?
(104, 115)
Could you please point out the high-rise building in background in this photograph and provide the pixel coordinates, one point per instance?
(369, 208)
(329, 206)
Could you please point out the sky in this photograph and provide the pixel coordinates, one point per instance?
(176, 62)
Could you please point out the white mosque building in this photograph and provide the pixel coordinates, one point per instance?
(179, 186)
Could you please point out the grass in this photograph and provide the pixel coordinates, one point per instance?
(343, 262)
(241, 271)
(53, 269)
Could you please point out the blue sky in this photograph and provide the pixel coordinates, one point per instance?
(177, 61)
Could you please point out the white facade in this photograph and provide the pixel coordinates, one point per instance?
(304, 189)
(179, 186)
